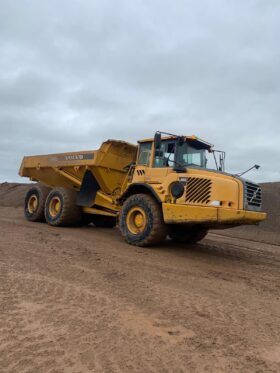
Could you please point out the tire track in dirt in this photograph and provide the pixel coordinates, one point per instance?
(81, 300)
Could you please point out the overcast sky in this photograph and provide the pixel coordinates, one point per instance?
(75, 73)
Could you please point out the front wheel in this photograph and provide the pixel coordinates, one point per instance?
(141, 221)
(186, 234)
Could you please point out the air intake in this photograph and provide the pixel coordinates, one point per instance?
(198, 190)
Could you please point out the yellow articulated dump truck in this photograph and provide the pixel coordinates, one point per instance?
(158, 188)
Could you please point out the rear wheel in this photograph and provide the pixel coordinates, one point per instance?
(61, 208)
(34, 203)
(186, 234)
(141, 221)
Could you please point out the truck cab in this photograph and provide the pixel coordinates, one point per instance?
(174, 170)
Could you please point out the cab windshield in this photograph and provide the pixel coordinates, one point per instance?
(189, 155)
(184, 154)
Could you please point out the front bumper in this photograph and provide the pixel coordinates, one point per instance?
(175, 213)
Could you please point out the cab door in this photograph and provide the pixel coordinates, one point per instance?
(143, 162)
(162, 163)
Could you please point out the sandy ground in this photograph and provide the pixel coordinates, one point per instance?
(81, 300)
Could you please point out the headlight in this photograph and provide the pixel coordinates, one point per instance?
(177, 189)
(215, 203)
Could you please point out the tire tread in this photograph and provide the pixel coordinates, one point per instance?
(158, 232)
(70, 213)
(42, 191)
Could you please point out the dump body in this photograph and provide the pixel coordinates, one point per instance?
(107, 164)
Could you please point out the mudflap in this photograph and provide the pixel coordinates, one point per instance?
(89, 188)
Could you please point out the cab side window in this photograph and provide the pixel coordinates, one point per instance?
(145, 151)
(165, 158)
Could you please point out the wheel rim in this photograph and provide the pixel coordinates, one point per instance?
(136, 220)
(54, 207)
(32, 204)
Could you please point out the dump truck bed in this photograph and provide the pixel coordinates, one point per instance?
(107, 164)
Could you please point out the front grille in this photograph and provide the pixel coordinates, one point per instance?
(198, 190)
(252, 196)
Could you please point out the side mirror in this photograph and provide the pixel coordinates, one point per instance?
(157, 140)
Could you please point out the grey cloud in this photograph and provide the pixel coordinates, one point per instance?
(27, 88)
(74, 73)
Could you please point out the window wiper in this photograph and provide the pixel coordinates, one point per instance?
(193, 164)
(175, 162)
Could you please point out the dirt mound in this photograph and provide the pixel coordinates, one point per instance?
(271, 204)
(12, 194)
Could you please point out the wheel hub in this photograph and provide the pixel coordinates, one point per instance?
(54, 207)
(139, 220)
(136, 220)
(32, 203)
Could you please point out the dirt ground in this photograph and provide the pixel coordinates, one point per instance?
(81, 300)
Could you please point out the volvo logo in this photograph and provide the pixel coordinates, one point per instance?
(255, 194)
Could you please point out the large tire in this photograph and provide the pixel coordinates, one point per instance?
(34, 203)
(102, 221)
(186, 234)
(61, 208)
(141, 221)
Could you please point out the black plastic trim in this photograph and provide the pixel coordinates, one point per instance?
(89, 188)
(130, 192)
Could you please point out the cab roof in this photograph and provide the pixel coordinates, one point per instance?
(197, 142)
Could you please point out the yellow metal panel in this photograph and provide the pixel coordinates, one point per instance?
(254, 216)
(72, 178)
(67, 169)
(173, 213)
(101, 199)
(242, 216)
(91, 210)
